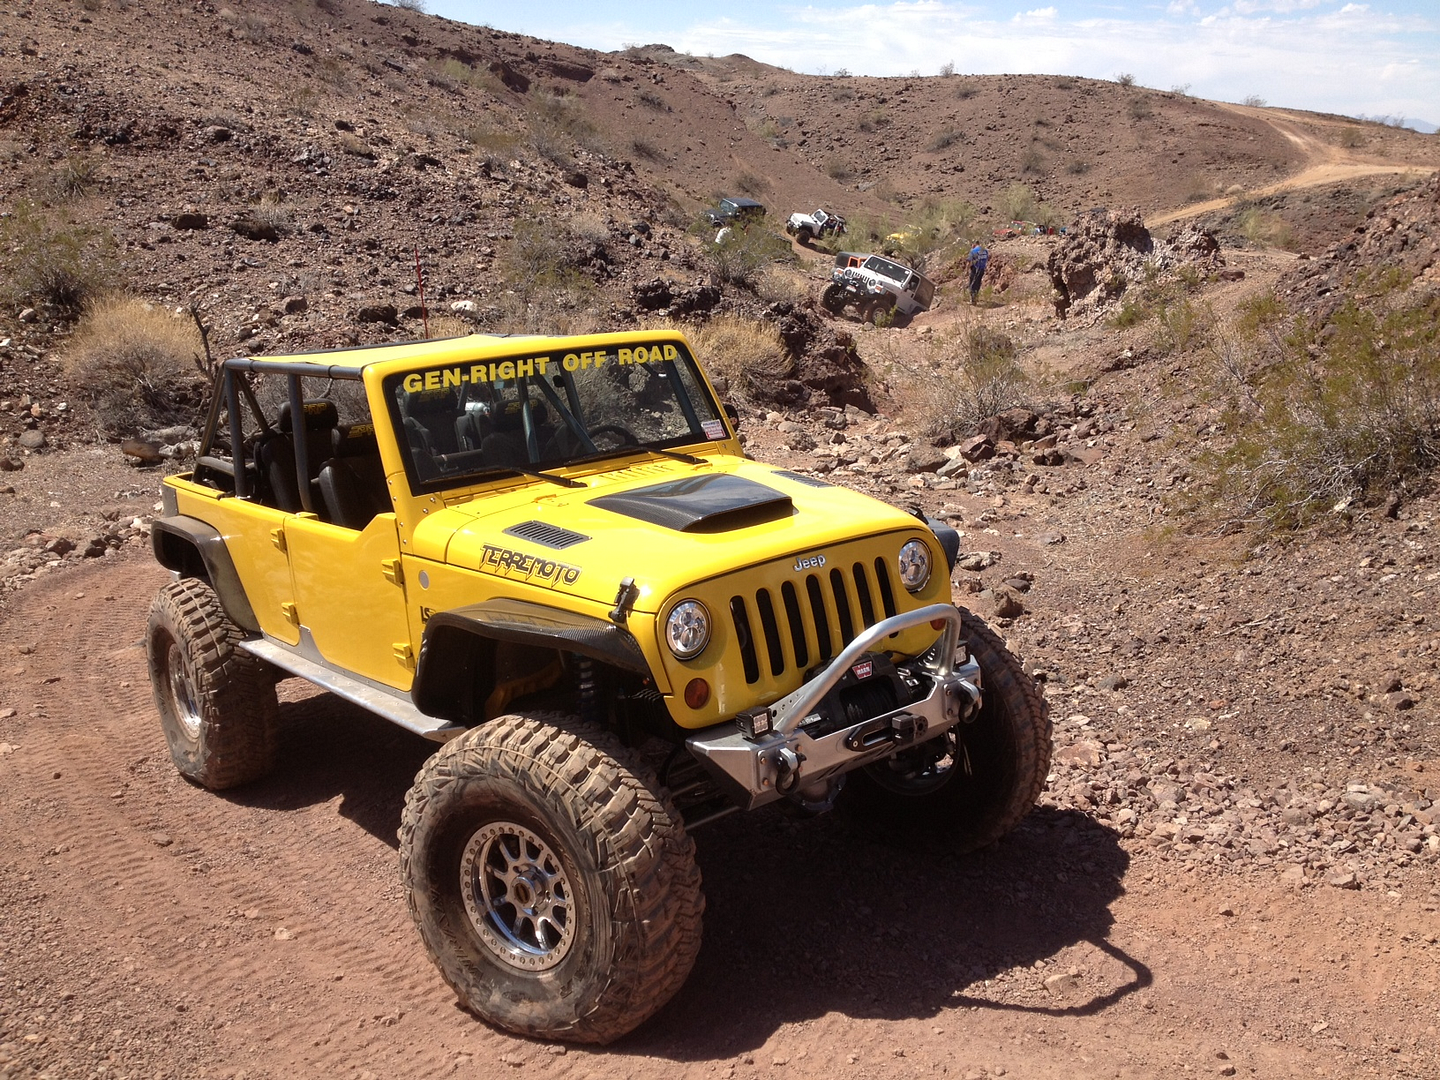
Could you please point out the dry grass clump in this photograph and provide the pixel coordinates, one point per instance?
(747, 355)
(130, 358)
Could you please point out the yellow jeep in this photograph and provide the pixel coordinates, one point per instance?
(551, 555)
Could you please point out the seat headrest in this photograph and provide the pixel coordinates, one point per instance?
(319, 416)
(510, 416)
(355, 440)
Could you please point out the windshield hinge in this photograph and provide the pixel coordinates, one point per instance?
(625, 597)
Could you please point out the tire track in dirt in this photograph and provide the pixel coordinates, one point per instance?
(268, 897)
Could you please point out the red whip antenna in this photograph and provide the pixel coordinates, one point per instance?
(420, 280)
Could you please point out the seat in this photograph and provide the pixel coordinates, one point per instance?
(506, 444)
(276, 454)
(352, 481)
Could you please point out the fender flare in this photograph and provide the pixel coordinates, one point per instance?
(191, 548)
(450, 676)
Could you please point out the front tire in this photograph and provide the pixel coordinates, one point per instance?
(217, 702)
(833, 298)
(551, 879)
(972, 785)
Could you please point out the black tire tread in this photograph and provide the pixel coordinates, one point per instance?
(240, 714)
(595, 780)
(1005, 676)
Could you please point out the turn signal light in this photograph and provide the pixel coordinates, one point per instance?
(697, 693)
(937, 624)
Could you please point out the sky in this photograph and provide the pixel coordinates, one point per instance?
(1377, 60)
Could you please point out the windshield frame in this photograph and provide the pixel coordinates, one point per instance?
(554, 390)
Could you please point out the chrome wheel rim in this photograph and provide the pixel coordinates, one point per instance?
(182, 691)
(517, 896)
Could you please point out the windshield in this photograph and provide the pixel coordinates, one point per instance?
(532, 412)
(885, 268)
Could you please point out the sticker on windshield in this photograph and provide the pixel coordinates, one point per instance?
(714, 429)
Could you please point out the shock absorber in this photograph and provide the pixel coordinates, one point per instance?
(587, 690)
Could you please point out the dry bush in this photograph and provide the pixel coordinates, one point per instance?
(1350, 137)
(73, 176)
(978, 375)
(747, 354)
(783, 285)
(129, 358)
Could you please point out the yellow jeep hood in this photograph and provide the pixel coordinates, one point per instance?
(666, 524)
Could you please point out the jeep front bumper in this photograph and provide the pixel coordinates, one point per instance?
(779, 758)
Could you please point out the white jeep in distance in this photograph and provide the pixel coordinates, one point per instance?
(808, 228)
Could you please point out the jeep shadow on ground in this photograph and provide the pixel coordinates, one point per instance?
(806, 918)
(330, 747)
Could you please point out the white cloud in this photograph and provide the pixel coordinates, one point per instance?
(1045, 14)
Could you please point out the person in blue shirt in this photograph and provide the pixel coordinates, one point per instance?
(977, 259)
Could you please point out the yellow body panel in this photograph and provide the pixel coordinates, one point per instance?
(250, 532)
(355, 613)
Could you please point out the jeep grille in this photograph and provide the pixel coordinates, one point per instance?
(811, 619)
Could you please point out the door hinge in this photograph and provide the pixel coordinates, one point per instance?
(277, 537)
(392, 571)
(405, 655)
(291, 613)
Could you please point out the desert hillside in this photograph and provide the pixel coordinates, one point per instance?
(1188, 434)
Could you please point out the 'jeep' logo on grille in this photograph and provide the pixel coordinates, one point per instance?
(812, 563)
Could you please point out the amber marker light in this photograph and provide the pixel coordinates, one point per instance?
(697, 693)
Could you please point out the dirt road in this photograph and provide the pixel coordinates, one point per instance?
(149, 928)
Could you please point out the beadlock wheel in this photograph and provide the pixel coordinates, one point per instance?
(517, 896)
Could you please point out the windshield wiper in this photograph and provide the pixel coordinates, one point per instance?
(498, 470)
(639, 448)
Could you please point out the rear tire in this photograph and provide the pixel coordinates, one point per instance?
(972, 785)
(551, 879)
(217, 702)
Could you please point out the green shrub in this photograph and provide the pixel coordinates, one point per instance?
(1325, 415)
(52, 259)
(739, 258)
(1181, 326)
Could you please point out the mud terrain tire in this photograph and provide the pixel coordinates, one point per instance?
(976, 785)
(833, 298)
(551, 879)
(217, 702)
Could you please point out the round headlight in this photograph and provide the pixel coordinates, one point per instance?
(687, 630)
(914, 565)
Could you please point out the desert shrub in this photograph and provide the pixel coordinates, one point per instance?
(1350, 137)
(1324, 415)
(965, 91)
(780, 284)
(1266, 229)
(73, 176)
(1018, 203)
(747, 354)
(1197, 189)
(1032, 162)
(842, 93)
(1140, 109)
(947, 69)
(1131, 313)
(749, 184)
(652, 100)
(874, 120)
(979, 375)
(410, 5)
(253, 28)
(1255, 101)
(128, 357)
(350, 143)
(741, 255)
(52, 259)
(645, 149)
(839, 170)
(1125, 79)
(1078, 168)
(1065, 82)
(1180, 326)
(945, 137)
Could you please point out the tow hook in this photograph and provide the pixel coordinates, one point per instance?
(787, 769)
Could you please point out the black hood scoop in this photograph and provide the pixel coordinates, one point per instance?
(717, 502)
